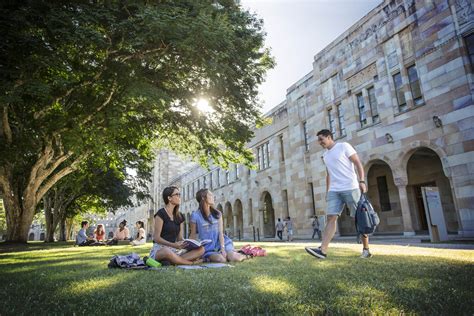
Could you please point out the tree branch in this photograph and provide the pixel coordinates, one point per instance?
(59, 175)
(103, 105)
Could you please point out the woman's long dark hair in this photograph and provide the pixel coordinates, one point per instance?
(167, 192)
(201, 198)
(142, 225)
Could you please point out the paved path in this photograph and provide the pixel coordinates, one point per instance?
(415, 241)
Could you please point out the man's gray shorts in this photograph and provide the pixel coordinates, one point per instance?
(337, 199)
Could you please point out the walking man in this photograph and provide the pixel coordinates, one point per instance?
(279, 228)
(344, 184)
(316, 229)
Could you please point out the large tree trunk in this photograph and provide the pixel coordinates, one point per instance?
(46, 172)
(62, 230)
(19, 217)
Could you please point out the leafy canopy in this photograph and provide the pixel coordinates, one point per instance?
(107, 77)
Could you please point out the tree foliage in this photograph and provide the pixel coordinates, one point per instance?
(102, 79)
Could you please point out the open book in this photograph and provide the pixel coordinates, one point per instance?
(190, 244)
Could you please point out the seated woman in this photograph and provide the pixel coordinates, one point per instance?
(208, 222)
(168, 234)
(99, 233)
(121, 233)
(141, 239)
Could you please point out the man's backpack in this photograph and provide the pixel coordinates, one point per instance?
(366, 219)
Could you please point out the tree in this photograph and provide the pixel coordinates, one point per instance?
(106, 78)
(90, 190)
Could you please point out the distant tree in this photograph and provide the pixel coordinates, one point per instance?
(101, 79)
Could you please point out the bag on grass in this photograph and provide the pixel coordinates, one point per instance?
(254, 251)
(366, 219)
(131, 261)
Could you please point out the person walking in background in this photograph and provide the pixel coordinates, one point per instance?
(279, 228)
(344, 185)
(289, 228)
(316, 229)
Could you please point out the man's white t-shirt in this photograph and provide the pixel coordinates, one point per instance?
(342, 175)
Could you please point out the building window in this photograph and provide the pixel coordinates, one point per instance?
(204, 182)
(282, 148)
(470, 48)
(237, 172)
(210, 180)
(263, 157)
(305, 134)
(218, 184)
(227, 177)
(384, 196)
(361, 106)
(313, 205)
(415, 85)
(332, 126)
(198, 185)
(373, 105)
(340, 118)
(397, 81)
(188, 191)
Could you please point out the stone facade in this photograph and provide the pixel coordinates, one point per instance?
(398, 85)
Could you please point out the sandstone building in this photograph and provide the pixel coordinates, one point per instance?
(398, 85)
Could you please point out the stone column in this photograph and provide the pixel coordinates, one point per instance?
(406, 214)
(235, 227)
(260, 223)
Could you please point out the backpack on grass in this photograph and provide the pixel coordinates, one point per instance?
(131, 261)
(366, 219)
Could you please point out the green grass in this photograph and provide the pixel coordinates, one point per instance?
(60, 279)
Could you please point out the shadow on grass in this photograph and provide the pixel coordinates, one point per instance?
(286, 281)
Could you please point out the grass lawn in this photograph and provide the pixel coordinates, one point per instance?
(61, 279)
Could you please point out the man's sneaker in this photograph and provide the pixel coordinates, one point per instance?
(366, 254)
(316, 252)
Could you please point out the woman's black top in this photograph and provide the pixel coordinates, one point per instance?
(170, 230)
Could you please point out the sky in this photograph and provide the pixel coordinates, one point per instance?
(296, 31)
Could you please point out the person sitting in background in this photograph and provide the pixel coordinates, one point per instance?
(121, 233)
(81, 238)
(140, 239)
(99, 233)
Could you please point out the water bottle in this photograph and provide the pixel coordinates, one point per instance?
(151, 262)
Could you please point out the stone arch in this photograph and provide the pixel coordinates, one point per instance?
(239, 216)
(425, 168)
(268, 215)
(31, 236)
(407, 152)
(228, 219)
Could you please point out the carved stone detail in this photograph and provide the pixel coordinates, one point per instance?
(362, 76)
(464, 11)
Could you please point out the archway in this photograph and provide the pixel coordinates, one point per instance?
(424, 168)
(268, 216)
(383, 193)
(228, 220)
(42, 236)
(239, 224)
(31, 236)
